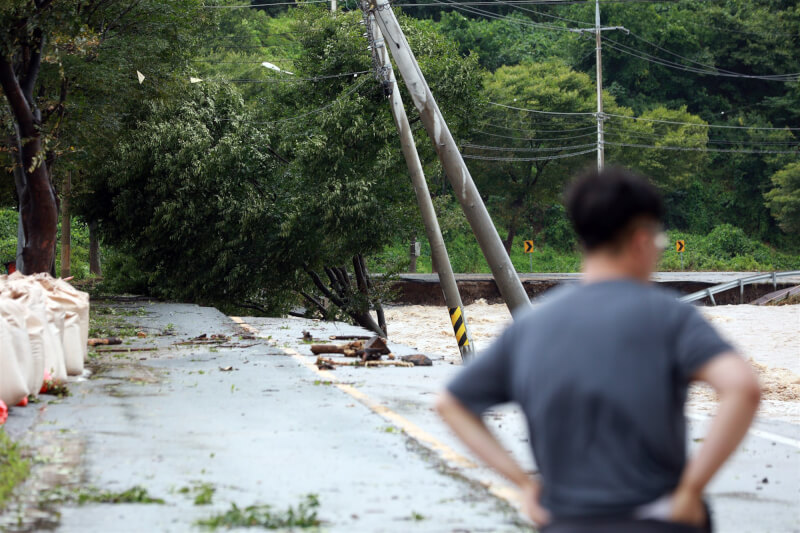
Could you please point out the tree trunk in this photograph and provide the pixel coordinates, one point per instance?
(38, 210)
(412, 256)
(94, 250)
(19, 183)
(512, 232)
(66, 230)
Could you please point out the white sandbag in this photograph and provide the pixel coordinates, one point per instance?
(35, 323)
(13, 388)
(32, 368)
(80, 301)
(73, 346)
(51, 320)
(59, 300)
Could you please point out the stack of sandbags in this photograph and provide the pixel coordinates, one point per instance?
(44, 328)
(63, 297)
(15, 348)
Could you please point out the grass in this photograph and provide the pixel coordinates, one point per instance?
(791, 300)
(13, 467)
(107, 321)
(203, 492)
(135, 494)
(263, 516)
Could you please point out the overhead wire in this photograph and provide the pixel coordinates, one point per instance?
(292, 79)
(542, 139)
(698, 149)
(523, 149)
(679, 123)
(537, 130)
(341, 97)
(520, 159)
(497, 104)
(708, 70)
(651, 136)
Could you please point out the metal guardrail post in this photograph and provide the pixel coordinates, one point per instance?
(711, 296)
(767, 277)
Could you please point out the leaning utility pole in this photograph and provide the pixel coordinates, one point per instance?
(447, 279)
(601, 151)
(457, 173)
(598, 30)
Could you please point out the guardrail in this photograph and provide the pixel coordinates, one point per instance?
(741, 282)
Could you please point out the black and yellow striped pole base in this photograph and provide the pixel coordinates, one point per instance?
(462, 334)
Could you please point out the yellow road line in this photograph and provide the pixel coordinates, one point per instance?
(445, 452)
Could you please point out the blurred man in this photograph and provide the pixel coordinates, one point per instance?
(601, 372)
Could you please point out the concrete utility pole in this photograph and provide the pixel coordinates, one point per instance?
(333, 6)
(439, 256)
(598, 30)
(478, 217)
(601, 151)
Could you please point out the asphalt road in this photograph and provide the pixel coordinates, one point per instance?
(273, 429)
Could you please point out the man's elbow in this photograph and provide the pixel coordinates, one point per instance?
(747, 387)
(752, 390)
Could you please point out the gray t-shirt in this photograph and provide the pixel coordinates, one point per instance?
(601, 372)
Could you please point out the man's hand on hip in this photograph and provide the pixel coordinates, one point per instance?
(531, 505)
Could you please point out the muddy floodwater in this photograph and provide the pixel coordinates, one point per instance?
(769, 337)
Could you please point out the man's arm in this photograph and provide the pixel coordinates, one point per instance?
(474, 433)
(739, 393)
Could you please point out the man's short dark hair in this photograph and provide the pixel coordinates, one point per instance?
(603, 204)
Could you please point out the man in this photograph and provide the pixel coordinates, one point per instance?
(601, 372)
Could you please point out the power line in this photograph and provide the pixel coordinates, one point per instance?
(697, 149)
(519, 159)
(519, 149)
(536, 130)
(241, 6)
(489, 14)
(708, 70)
(710, 141)
(543, 139)
(512, 4)
(292, 79)
(539, 111)
(349, 92)
(612, 115)
(538, 2)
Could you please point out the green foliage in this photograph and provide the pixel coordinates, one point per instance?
(8, 235)
(303, 516)
(213, 200)
(725, 248)
(784, 199)
(497, 43)
(14, 468)
(79, 236)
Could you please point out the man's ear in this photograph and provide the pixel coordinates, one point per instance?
(639, 240)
